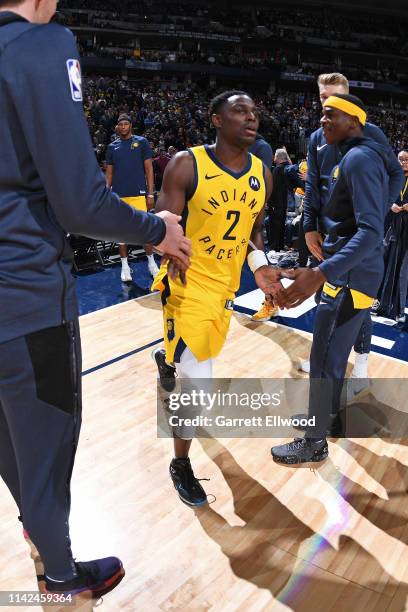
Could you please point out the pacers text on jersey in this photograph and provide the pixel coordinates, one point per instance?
(215, 202)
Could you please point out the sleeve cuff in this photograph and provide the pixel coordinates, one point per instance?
(326, 269)
(161, 229)
(309, 227)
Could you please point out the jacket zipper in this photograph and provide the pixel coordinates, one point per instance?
(74, 367)
(64, 280)
(71, 329)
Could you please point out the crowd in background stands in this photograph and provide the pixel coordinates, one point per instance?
(387, 34)
(286, 60)
(178, 117)
(245, 60)
(186, 15)
(375, 33)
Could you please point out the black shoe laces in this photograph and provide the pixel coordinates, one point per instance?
(297, 444)
(190, 481)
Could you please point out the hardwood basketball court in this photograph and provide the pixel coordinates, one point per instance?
(334, 537)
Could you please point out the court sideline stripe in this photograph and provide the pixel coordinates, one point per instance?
(121, 357)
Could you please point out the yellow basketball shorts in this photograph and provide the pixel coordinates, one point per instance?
(138, 202)
(193, 317)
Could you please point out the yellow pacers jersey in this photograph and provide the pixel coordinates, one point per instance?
(218, 219)
(220, 216)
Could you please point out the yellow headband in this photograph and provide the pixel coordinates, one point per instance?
(347, 107)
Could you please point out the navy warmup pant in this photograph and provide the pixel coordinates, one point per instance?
(40, 420)
(363, 342)
(336, 328)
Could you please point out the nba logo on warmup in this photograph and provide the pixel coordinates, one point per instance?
(254, 183)
(75, 79)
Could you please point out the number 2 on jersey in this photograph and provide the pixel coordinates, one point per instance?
(236, 215)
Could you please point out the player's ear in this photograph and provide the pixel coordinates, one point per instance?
(216, 120)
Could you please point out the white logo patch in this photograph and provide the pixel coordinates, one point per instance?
(75, 79)
(254, 183)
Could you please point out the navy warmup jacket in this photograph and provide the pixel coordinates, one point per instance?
(50, 182)
(321, 160)
(358, 200)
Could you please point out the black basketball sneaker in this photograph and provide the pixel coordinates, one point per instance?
(186, 484)
(301, 450)
(167, 373)
(99, 577)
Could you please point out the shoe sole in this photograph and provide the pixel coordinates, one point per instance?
(189, 504)
(107, 586)
(318, 456)
(153, 353)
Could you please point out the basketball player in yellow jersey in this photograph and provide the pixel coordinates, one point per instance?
(220, 191)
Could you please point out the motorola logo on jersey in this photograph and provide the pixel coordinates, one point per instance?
(254, 183)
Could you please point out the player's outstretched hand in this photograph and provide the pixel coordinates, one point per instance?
(314, 241)
(307, 282)
(175, 244)
(268, 279)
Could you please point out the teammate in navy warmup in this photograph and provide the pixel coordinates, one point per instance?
(322, 158)
(351, 268)
(50, 184)
(129, 171)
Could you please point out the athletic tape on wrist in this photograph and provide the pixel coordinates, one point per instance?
(256, 259)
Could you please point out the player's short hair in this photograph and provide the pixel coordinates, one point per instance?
(218, 102)
(333, 78)
(10, 2)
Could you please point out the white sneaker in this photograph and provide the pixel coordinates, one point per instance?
(126, 274)
(153, 269)
(304, 366)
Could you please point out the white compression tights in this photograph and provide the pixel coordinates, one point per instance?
(189, 369)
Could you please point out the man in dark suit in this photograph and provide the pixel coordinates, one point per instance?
(279, 201)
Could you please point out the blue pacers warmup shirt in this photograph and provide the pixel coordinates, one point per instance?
(127, 158)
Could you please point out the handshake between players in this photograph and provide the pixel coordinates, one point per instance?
(307, 282)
